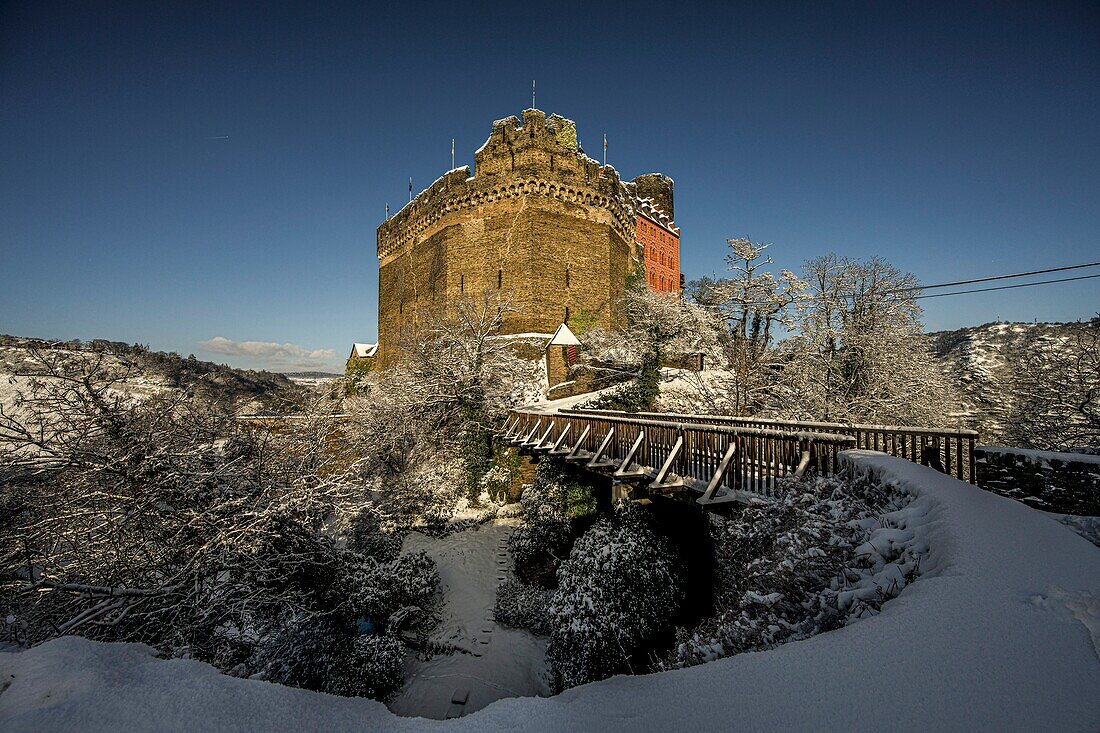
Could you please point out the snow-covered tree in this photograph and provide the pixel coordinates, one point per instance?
(1057, 386)
(859, 352)
(653, 326)
(616, 593)
(162, 520)
(753, 305)
(454, 380)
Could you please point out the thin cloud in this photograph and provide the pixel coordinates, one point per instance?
(273, 355)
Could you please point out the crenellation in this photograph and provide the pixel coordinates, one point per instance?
(533, 204)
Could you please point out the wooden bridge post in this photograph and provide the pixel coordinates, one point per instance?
(624, 470)
(620, 491)
(661, 481)
(805, 448)
(930, 454)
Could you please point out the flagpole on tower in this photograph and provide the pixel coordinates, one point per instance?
(532, 94)
(605, 148)
(410, 188)
(452, 153)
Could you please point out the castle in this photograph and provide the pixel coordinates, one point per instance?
(539, 222)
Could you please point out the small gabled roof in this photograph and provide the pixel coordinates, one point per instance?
(564, 337)
(363, 351)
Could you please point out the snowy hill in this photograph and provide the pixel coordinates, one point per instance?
(985, 361)
(317, 381)
(155, 372)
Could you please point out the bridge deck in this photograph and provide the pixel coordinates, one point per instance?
(723, 459)
(722, 463)
(949, 451)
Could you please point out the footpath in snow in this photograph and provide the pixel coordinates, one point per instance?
(1001, 632)
(493, 662)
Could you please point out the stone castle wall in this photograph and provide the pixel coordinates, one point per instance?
(540, 223)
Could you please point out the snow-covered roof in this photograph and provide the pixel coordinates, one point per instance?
(363, 351)
(648, 208)
(564, 337)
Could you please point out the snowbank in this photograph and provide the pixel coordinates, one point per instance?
(1001, 632)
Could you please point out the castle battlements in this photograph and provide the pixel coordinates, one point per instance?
(537, 222)
(537, 156)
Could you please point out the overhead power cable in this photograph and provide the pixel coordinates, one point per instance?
(992, 278)
(1008, 287)
(999, 277)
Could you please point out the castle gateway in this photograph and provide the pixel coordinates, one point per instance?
(539, 222)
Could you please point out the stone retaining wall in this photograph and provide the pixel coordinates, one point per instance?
(1066, 483)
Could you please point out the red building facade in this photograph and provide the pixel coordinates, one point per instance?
(660, 243)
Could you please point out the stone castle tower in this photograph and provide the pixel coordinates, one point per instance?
(539, 223)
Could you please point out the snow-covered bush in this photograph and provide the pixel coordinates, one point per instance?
(325, 648)
(556, 494)
(522, 606)
(367, 536)
(537, 547)
(324, 654)
(550, 503)
(298, 651)
(819, 556)
(394, 593)
(616, 594)
(371, 666)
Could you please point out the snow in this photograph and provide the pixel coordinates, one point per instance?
(564, 337)
(1000, 632)
(1087, 527)
(363, 351)
(515, 336)
(493, 662)
(1044, 456)
(565, 403)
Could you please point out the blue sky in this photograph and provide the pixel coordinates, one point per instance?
(955, 140)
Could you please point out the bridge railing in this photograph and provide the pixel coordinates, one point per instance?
(719, 460)
(949, 451)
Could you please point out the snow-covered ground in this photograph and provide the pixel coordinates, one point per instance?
(1087, 527)
(566, 403)
(493, 662)
(1001, 632)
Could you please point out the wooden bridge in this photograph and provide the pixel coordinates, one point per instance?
(723, 459)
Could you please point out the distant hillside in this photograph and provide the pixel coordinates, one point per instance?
(317, 382)
(986, 362)
(240, 390)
